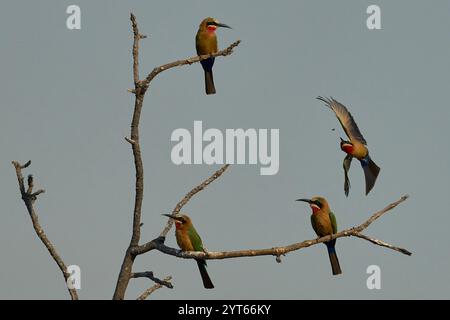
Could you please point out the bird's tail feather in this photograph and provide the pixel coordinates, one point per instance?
(209, 82)
(335, 267)
(371, 171)
(207, 283)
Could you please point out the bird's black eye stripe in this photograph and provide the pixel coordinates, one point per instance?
(211, 23)
(317, 202)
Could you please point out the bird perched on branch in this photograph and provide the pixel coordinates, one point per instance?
(324, 223)
(206, 43)
(189, 240)
(355, 148)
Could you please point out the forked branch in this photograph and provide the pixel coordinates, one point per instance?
(29, 197)
(152, 289)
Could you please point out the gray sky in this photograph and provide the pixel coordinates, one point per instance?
(64, 105)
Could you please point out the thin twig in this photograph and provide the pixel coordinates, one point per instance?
(152, 289)
(137, 37)
(149, 275)
(129, 140)
(382, 243)
(29, 198)
(189, 196)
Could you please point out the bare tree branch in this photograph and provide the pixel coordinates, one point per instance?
(152, 289)
(189, 195)
(29, 198)
(127, 264)
(189, 61)
(149, 275)
(140, 88)
(129, 140)
(159, 245)
(137, 37)
(382, 243)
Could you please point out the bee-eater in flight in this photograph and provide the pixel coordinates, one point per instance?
(356, 147)
(189, 240)
(206, 43)
(324, 223)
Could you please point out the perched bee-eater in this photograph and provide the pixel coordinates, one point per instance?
(324, 223)
(206, 43)
(189, 240)
(356, 147)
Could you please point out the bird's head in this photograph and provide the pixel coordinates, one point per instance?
(316, 203)
(211, 25)
(181, 220)
(346, 146)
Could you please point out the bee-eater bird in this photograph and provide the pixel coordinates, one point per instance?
(189, 240)
(324, 223)
(206, 43)
(356, 147)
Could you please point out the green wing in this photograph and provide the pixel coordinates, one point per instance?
(333, 222)
(195, 239)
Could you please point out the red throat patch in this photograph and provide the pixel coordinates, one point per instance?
(178, 224)
(314, 207)
(347, 148)
(212, 28)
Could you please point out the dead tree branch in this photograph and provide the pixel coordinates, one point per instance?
(159, 245)
(189, 195)
(149, 275)
(152, 289)
(382, 243)
(29, 197)
(140, 88)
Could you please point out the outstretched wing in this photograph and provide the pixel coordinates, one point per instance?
(346, 165)
(345, 118)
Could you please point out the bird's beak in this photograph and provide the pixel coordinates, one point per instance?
(223, 25)
(171, 216)
(342, 140)
(304, 200)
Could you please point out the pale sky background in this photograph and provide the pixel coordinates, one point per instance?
(64, 105)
